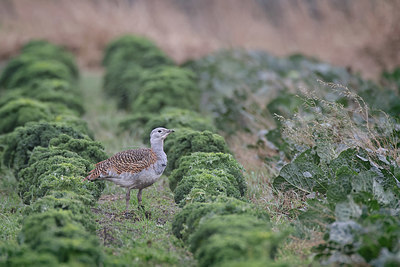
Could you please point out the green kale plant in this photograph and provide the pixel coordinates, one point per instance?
(45, 50)
(223, 238)
(212, 183)
(21, 142)
(162, 87)
(20, 111)
(189, 218)
(183, 142)
(209, 161)
(56, 232)
(137, 49)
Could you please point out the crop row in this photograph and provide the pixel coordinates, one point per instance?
(217, 224)
(342, 149)
(49, 149)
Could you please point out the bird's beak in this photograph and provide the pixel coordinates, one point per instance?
(167, 133)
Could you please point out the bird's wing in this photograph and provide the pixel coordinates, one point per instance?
(133, 161)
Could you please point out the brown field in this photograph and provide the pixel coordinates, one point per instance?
(361, 34)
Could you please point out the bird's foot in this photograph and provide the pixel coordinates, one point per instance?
(128, 214)
(146, 213)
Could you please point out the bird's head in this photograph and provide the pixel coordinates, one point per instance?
(159, 134)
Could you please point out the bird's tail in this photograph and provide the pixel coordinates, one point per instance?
(89, 177)
(95, 173)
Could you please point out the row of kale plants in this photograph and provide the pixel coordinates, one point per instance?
(219, 226)
(336, 144)
(49, 149)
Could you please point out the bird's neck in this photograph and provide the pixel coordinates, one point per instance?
(158, 147)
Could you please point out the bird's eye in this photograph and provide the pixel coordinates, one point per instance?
(159, 131)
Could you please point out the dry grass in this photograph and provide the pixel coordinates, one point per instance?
(332, 127)
(361, 34)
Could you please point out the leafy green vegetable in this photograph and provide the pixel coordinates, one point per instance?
(35, 70)
(56, 169)
(302, 174)
(233, 237)
(56, 232)
(137, 49)
(212, 183)
(183, 142)
(161, 88)
(209, 161)
(188, 220)
(21, 142)
(20, 111)
(50, 91)
(66, 200)
(46, 50)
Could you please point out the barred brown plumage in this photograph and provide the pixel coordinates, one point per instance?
(134, 168)
(133, 161)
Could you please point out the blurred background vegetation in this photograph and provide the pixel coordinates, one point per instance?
(286, 116)
(362, 34)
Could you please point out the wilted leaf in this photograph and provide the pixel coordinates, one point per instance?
(302, 174)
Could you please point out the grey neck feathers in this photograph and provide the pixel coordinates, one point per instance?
(157, 147)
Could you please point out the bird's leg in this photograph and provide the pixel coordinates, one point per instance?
(139, 198)
(128, 197)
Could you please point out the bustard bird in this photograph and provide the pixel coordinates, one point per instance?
(135, 168)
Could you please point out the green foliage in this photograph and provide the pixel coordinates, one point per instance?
(45, 50)
(212, 183)
(359, 200)
(172, 118)
(127, 59)
(184, 142)
(51, 91)
(381, 98)
(24, 256)
(77, 123)
(233, 80)
(392, 77)
(351, 172)
(187, 220)
(302, 174)
(56, 232)
(142, 254)
(12, 67)
(66, 200)
(20, 111)
(88, 149)
(56, 169)
(233, 237)
(136, 120)
(163, 86)
(259, 262)
(124, 82)
(14, 255)
(26, 69)
(209, 161)
(137, 49)
(285, 105)
(367, 239)
(275, 137)
(23, 140)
